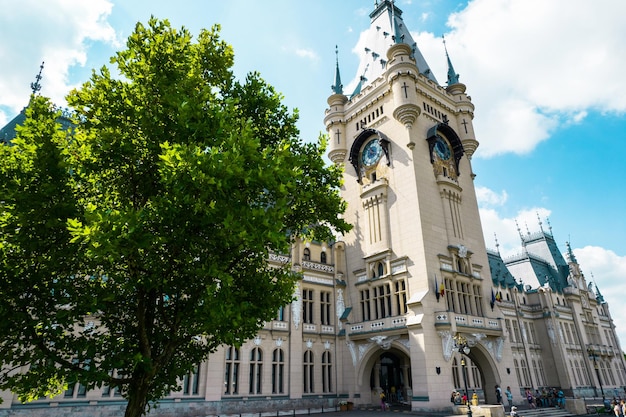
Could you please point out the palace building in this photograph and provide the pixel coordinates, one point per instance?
(410, 302)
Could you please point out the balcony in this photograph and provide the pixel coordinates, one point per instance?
(387, 323)
(467, 323)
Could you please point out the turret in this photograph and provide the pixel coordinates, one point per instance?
(335, 118)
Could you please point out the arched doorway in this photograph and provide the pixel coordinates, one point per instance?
(391, 374)
(481, 373)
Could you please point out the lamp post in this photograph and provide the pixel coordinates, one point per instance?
(464, 350)
(592, 354)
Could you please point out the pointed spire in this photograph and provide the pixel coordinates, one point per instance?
(337, 86)
(36, 86)
(453, 77)
(397, 36)
(540, 223)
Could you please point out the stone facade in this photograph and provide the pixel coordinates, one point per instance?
(389, 307)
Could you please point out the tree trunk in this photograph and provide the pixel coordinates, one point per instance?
(137, 398)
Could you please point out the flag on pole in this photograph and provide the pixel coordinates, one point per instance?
(499, 296)
(436, 289)
(493, 299)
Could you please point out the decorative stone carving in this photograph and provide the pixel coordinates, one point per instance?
(384, 341)
(447, 344)
(296, 306)
(340, 307)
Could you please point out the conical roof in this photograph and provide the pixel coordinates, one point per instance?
(386, 29)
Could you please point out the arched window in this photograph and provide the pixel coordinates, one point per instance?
(308, 372)
(327, 373)
(278, 371)
(323, 257)
(191, 381)
(231, 371)
(380, 268)
(307, 254)
(256, 368)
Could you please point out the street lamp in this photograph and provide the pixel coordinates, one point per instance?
(592, 354)
(464, 350)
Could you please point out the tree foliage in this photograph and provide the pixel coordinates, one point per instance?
(135, 244)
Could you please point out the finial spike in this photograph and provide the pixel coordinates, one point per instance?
(540, 223)
(497, 243)
(36, 86)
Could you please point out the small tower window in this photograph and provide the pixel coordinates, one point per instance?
(307, 254)
(380, 268)
(323, 257)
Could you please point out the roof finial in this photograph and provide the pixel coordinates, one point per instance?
(519, 232)
(36, 86)
(540, 223)
(549, 225)
(337, 87)
(570, 253)
(453, 77)
(497, 244)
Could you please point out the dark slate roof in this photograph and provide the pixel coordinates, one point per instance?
(7, 133)
(500, 275)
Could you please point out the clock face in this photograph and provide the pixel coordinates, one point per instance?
(371, 152)
(442, 149)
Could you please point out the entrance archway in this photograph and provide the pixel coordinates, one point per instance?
(482, 373)
(388, 371)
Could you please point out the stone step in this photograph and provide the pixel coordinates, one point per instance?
(542, 412)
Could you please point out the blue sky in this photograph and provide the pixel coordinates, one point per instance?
(546, 78)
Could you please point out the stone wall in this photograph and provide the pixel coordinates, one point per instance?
(187, 408)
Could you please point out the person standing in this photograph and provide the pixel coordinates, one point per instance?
(509, 397)
(498, 394)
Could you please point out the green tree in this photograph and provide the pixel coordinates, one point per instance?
(135, 244)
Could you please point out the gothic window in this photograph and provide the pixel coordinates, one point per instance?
(256, 368)
(308, 373)
(518, 372)
(518, 337)
(306, 254)
(327, 373)
(532, 335)
(307, 306)
(281, 314)
(380, 269)
(525, 373)
(365, 305)
(191, 381)
(325, 307)
(382, 301)
(76, 390)
(542, 373)
(278, 371)
(400, 293)
(231, 371)
(456, 381)
(323, 257)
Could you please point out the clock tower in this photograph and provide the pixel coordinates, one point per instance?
(416, 269)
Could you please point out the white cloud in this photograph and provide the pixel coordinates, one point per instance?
(532, 66)
(307, 53)
(58, 34)
(487, 197)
